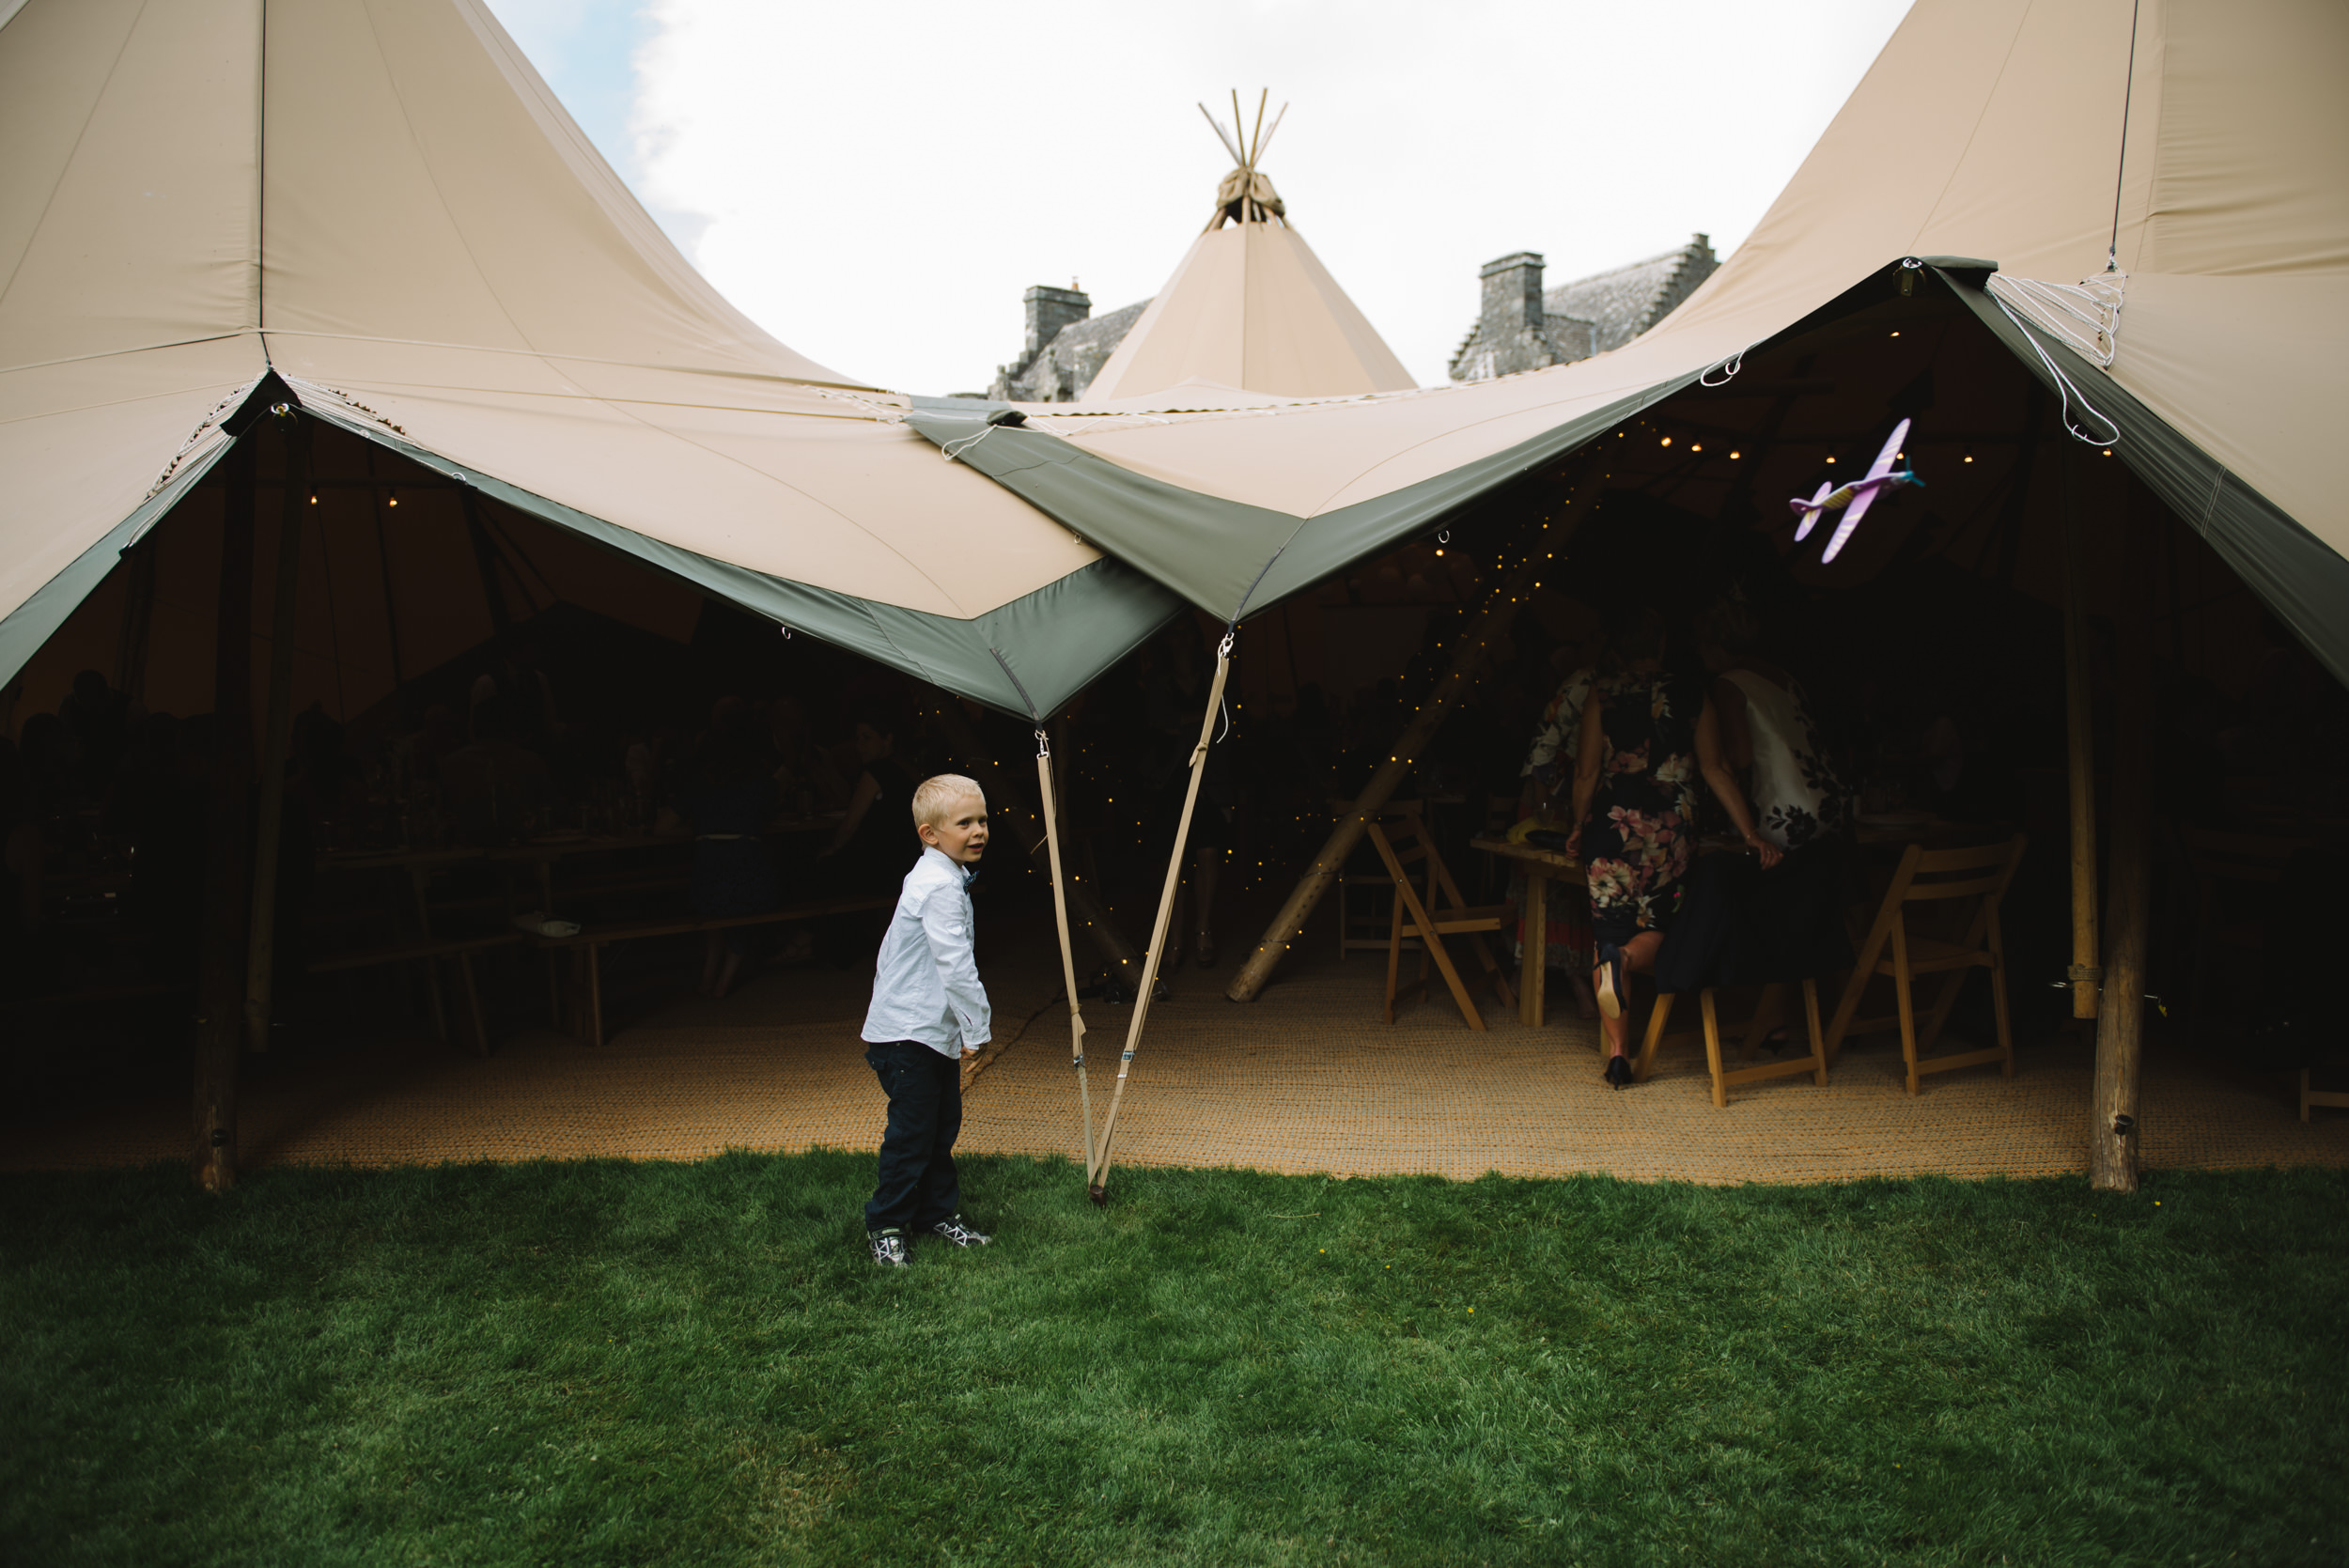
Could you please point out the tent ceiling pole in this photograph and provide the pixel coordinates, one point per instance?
(2080, 721)
(2113, 1139)
(220, 977)
(268, 824)
(1467, 656)
(383, 568)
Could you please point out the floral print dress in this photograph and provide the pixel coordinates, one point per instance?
(1641, 830)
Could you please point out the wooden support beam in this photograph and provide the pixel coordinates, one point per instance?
(1100, 928)
(2114, 1138)
(219, 979)
(2080, 721)
(1467, 656)
(261, 944)
(138, 619)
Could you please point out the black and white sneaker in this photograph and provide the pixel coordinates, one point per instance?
(888, 1248)
(960, 1234)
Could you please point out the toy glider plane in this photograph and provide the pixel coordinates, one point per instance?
(1853, 499)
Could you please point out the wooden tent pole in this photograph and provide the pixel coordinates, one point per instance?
(1099, 926)
(1068, 957)
(220, 980)
(261, 971)
(1467, 658)
(2085, 976)
(2113, 1139)
(1098, 1187)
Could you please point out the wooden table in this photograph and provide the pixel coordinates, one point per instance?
(1542, 867)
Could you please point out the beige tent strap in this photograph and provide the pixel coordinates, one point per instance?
(1067, 957)
(1166, 913)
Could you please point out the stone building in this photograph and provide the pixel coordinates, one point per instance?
(1067, 346)
(1522, 326)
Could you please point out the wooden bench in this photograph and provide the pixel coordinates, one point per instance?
(586, 946)
(430, 952)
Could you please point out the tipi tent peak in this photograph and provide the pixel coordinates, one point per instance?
(1250, 308)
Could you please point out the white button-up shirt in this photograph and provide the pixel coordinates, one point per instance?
(926, 983)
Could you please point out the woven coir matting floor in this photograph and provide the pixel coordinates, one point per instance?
(1307, 1079)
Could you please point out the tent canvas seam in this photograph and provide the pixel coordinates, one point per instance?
(66, 167)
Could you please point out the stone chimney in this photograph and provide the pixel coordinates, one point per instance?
(1050, 309)
(1513, 297)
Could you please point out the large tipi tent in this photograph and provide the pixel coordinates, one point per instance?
(379, 203)
(1250, 308)
(2202, 144)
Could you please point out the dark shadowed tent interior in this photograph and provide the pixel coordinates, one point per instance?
(2088, 251)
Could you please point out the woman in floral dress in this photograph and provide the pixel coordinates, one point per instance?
(1647, 732)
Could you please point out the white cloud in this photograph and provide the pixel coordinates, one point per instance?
(877, 184)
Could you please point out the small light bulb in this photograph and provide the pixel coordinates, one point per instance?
(1734, 455)
(1667, 441)
(1896, 334)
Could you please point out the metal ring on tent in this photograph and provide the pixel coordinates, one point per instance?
(1729, 367)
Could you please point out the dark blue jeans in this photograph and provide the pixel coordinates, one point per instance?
(917, 1187)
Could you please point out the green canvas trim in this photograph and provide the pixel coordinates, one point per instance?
(34, 621)
(1229, 558)
(2296, 574)
(1060, 639)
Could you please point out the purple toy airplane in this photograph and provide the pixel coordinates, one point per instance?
(1854, 498)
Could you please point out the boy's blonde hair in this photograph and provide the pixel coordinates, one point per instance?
(934, 797)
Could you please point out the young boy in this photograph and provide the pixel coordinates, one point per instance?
(928, 1012)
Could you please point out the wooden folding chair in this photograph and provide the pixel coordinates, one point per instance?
(1767, 1016)
(1361, 929)
(1927, 875)
(1401, 843)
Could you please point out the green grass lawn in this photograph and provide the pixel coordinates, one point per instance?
(591, 1363)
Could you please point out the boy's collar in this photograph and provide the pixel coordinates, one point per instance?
(970, 872)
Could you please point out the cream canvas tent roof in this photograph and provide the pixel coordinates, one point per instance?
(381, 202)
(1250, 308)
(1992, 129)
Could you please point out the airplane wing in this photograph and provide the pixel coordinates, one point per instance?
(1883, 465)
(1866, 498)
(1811, 517)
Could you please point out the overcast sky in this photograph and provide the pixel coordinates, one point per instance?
(876, 184)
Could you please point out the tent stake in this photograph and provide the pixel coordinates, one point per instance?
(1098, 1188)
(220, 982)
(260, 957)
(2081, 720)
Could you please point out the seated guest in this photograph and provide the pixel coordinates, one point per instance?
(870, 851)
(869, 848)
(1647, 732)
(1767, 734)
(729, 799)
(495, 786)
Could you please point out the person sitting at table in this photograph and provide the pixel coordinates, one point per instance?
(1767, 733)
(1647, 732)
(494, 787)
(729, 799)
